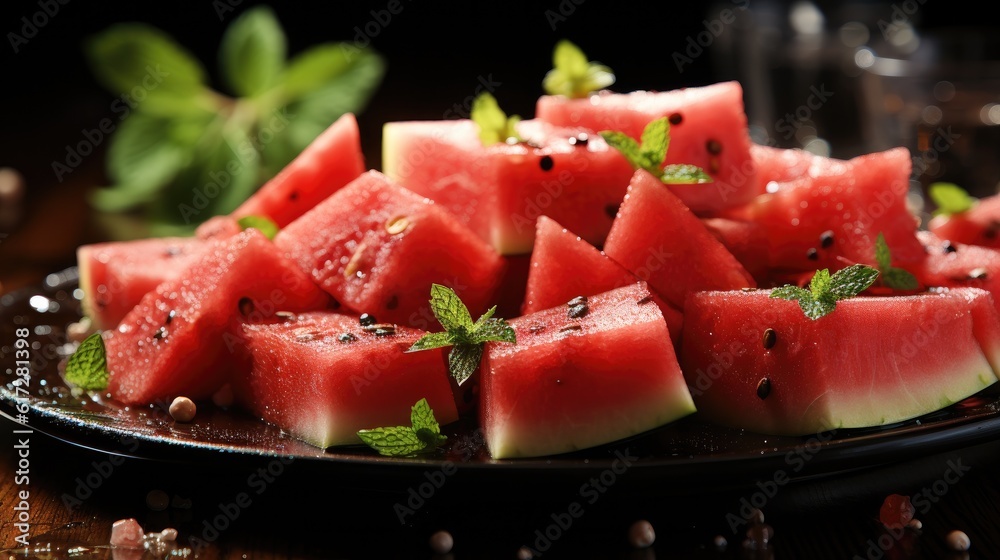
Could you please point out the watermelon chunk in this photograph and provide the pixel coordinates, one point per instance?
(831, 217)
(332, 160)
(173, 341)
(499, 191)
(564, 266)
(322, 377)
(781, 165)
(378, 247)
(661, 241)
(708, 129)
(574, 383)
(979, 225)
(747, 241)
(952, 265)
(872, 361)
(115, 275)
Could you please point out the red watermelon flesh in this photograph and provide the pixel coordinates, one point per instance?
(329, 162)
(781, 165)
(499, 191)
(378, 248)
(747, 241)
(564, 266)
(952, 265)
(870, 362)
(979, 225)
(218, 227)
(661, 241)
(322, 377)
(172, 343)
(115, 275)
(574, 383)
(708, 129)
(831, 219)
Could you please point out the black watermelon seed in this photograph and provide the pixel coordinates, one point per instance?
(347, 337)
(764, 388)
(826, 239)
(160, 334)
(989, 233)
(170, 317)
(172, 251)
(367, 320)
(468, 396)
(393, 303)
(714, 147)
(948, 247)
(977, 274)
(294, 195)
(569, 328)
(644, 300)
(385, 330)
(536, 328)
(675, 119)
(246, 306)
(612, 210)
(546, 163)
(812, 254)
(578, 300)
(578, 311)
(770, 338)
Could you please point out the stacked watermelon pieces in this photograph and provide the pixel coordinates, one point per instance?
(635, 303)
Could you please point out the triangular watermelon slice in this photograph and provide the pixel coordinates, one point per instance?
(660, 240)
(564, 266)
(172, 343)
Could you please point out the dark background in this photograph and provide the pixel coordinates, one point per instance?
(436, 53)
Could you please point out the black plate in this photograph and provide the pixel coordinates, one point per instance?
(700, 452)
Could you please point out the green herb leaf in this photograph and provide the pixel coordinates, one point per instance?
(573, 75)
(892, 277)
(261, 223)
(467, 338)
(252, 53)
(651, 152)
(463, 360)
(393, 442)
(684, 174)
(494, 125)
(127, 56)
(950, 198)
(313, 68)
(449, 310)
(87, 368)
(825, 290)
(424, 434)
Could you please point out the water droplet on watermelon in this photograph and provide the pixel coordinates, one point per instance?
(826, 239)
(347, 337)
(948, 247)
(579, 140)
(367, 319)
(772, 187)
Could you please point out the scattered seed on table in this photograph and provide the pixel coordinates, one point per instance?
(641, 534)
(442, 542)
(958, 540)
(182, 409)
(157, 500)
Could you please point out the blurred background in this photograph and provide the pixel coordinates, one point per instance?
(836, 78)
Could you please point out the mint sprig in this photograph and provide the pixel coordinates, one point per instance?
(825, 290)
(950, 198)
(572, 75)
(87, 368)
(494, 125)
(466, 337)
(650, 152)
(892, 277)
(422, 435)
(174, 129)
(262, 223)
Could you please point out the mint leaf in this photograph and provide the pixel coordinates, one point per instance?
(825, 290)
(261, 223)
(467, 338)
(314, 67)
(463, 360)
(684, 174)
(125, 54)
(494, 330)
(430, 341)
(393, 442)
(494, 125)
(573, 75)
(651, 151)
(87, 368)
(422, 417)
(950, 198)
(252, 52)
(424, 434)
(449, 309)
(892, 277)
